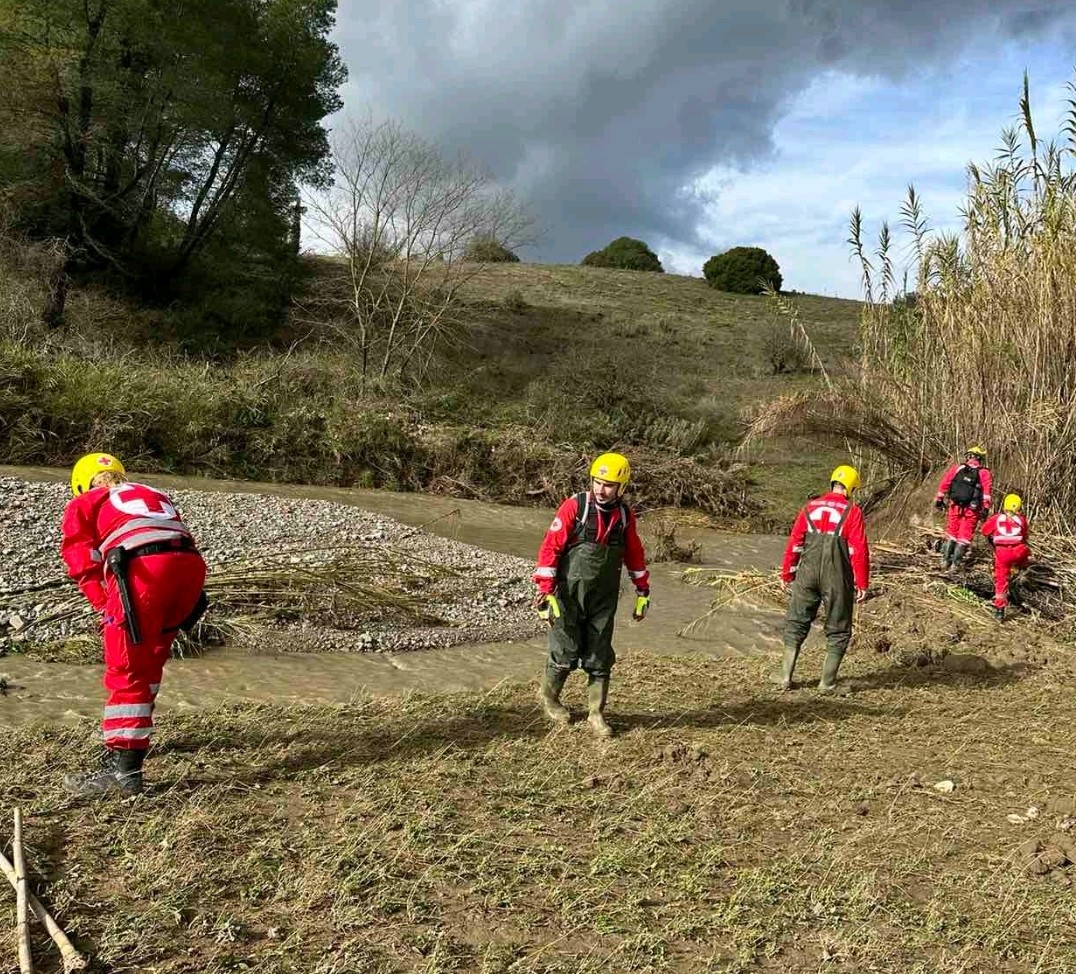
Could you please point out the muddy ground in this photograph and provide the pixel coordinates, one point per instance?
(924, 822)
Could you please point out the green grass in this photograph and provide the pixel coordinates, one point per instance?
(557, 363)
(725, 829)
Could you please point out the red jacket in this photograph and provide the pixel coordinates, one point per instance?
(825, 513)
(986, 481)
(1006, 529)
(127, 515)
(559, 535)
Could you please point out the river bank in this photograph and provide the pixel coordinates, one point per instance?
(501, 643)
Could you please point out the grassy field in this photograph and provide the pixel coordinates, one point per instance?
(687, 363)
(726, 829)
(556, 363)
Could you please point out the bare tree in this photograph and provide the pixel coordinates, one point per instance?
(398, 221)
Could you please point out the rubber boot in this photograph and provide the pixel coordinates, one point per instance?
(788, 665)
(121, 773)
(830, 665)
(999, 614)
(947, 553)
(552, 683)
(958, 554)
(597, 692)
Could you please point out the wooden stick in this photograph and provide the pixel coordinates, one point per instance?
(26, 957)
(73, 960)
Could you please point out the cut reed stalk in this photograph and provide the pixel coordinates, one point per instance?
(22, 915)
(73, 960)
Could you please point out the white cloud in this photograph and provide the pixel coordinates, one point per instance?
(850, 141)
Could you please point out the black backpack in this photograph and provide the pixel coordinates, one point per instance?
(966, 490)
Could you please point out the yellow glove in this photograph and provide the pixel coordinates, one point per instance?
(642, 604)
(548, 608)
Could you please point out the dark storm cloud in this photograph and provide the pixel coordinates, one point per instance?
(601, 112)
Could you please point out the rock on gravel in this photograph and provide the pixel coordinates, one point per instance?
(230, 527)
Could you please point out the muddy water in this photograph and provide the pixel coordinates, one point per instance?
(57, 691)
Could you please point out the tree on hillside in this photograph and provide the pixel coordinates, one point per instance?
(625, 253)
(135, 129)
(743, 270)
(400, 220)
(489, 250)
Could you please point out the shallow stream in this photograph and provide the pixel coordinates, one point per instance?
(51, 691)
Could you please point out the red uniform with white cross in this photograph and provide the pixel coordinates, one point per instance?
(1009, 534)
(822, 515)
(165, 575)
(960, 520)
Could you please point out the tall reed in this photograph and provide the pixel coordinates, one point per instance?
(984, 348)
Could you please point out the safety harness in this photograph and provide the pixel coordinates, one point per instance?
(587, 523)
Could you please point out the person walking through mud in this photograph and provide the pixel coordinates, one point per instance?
(964, 496)
(827, 556)
(1007, 532)
(592, 537)
(135, 561)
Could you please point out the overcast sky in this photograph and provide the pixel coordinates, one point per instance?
(699, 125)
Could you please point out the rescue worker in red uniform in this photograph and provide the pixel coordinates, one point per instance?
(135, 561)
(1007, 532)
(592, 538)
(964, 496)
(826, 557)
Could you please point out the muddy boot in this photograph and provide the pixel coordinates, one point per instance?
(959, 550)
(552, 683)
(121, 773)
(947, 553)
(830, 665)
(597, 692)
(788, 665)
(999, 614)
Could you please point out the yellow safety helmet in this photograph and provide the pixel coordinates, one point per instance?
(845, 475)
(89, 466)
(1012, 503)
(975, 451)
(611, 467)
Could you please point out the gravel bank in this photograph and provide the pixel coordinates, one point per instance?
(235, 527)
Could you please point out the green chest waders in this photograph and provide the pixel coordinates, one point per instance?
(823, 574)
(588, 585)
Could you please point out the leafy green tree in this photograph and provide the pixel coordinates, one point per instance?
(743, 270)
(143, 124)
(625, 253)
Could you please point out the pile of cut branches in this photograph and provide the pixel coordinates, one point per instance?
(343, 586)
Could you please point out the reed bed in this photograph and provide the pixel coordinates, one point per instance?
(982, 350)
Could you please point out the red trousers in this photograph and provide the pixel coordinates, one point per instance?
(1007, 558)
(164, 589)
(960, 524)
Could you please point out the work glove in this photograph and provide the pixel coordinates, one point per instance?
(939, 503)
(548, 606)
(642, 604)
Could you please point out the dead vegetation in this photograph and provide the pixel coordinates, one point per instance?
(982, 350)
(726, 829)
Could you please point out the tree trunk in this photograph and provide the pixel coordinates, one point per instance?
(57, 284)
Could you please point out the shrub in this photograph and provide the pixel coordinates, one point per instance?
(627, 254)
(742, 270)
(489, 250)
